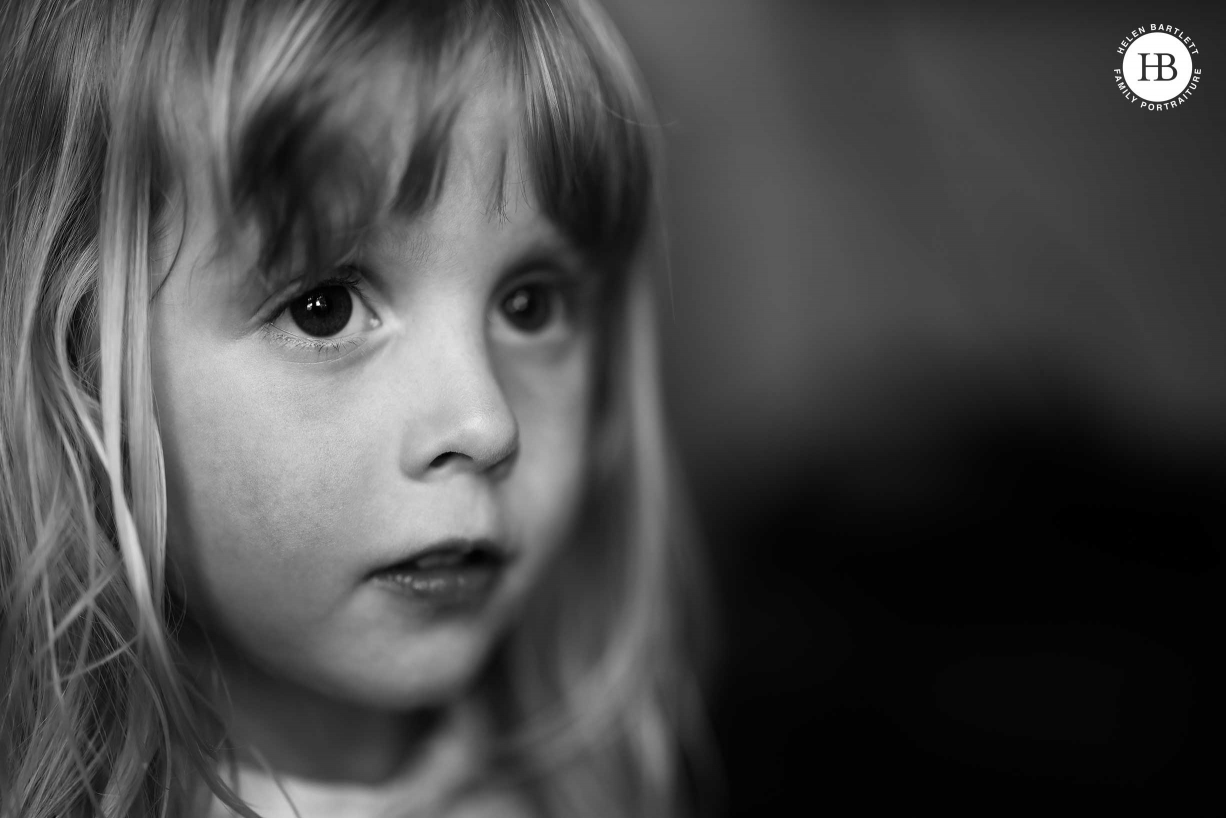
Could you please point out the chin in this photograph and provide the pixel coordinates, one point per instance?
(422, 670)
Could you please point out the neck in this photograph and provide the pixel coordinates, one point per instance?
(308, 736)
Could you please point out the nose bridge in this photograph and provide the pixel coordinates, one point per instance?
(457, 416)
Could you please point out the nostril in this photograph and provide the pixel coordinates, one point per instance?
(442, 459)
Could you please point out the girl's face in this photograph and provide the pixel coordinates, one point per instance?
(435, 395)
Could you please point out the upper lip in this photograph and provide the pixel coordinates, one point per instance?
(487, 546)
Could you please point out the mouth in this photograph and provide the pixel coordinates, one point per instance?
(454, 573)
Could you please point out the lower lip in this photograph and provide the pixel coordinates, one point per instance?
(460, 588)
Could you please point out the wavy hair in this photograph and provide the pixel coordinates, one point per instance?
(99, 101)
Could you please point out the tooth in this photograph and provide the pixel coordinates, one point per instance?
(440, 560)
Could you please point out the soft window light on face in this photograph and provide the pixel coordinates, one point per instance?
(407, 399)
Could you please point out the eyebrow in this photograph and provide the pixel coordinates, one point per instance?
(417, 246)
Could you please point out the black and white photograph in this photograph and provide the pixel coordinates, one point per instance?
(611, 408)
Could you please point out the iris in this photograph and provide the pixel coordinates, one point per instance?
(324, 311)
(528, 308)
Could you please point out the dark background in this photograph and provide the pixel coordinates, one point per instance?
(945, 345)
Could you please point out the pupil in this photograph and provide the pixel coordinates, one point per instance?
(526, 309)
(323, 311)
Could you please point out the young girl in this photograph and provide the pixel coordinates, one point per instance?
(333, 474)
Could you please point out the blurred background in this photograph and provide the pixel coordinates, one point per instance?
(945, 346)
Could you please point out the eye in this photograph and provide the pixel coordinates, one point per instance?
(326, 322)
(332, 309)
(529, 308)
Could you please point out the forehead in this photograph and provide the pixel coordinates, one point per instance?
(485, 157)
(486, 202)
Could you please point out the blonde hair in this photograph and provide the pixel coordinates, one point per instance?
(98, 715)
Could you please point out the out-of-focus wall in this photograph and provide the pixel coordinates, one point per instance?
(945, 339)
(852, 182)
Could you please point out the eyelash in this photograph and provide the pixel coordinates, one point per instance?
(324, 348)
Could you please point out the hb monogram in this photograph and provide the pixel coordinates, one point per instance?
(1159, 65)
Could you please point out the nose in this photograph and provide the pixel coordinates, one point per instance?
(460, 419)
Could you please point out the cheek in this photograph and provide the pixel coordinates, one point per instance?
(256, 489)
(552, 407)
